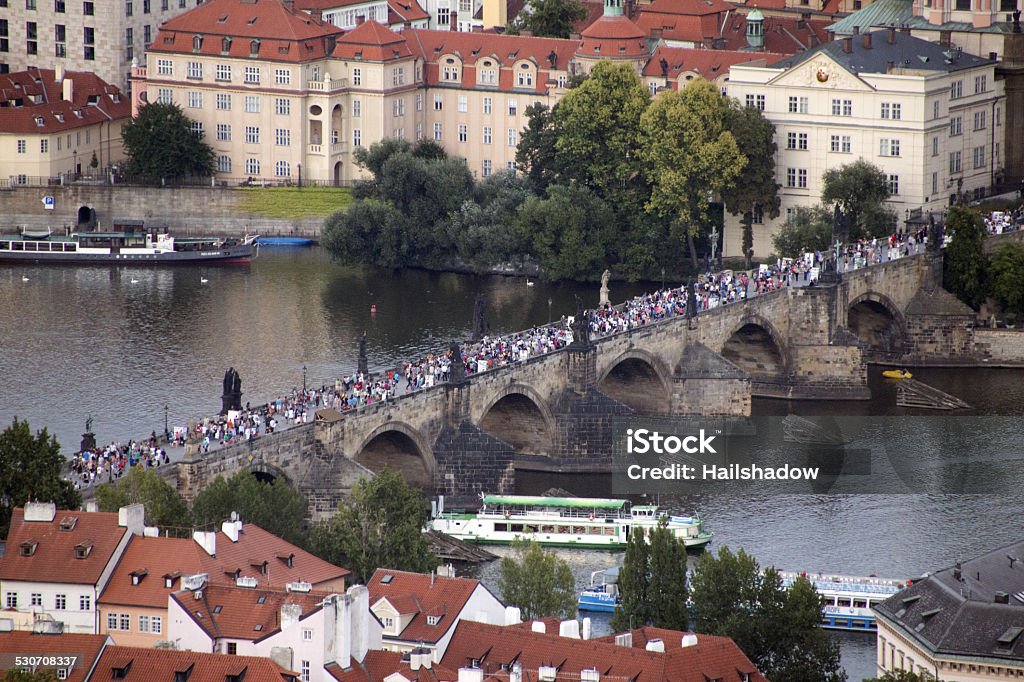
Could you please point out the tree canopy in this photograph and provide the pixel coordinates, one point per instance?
(539, 583)
(164, 506)
(777, 628)
(756, 186)
(652, 582)
(549, 18)
(276, 507)
(18, 675)
(806, 229)
(1006, 278)
(861, 189)
(379, 525)
(964, 261)
(30, 470)
(159, 143)
(903, 676)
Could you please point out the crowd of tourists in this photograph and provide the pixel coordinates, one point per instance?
(108, 463)
(998, 222)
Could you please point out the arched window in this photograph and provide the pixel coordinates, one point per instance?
(197, 43)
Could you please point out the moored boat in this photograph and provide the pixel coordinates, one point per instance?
(848, 599)
(897, 374)
(565, 522)
(603, 593)
(127, 242)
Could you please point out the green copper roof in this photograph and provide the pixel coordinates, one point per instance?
(576, 502)
(879, 14)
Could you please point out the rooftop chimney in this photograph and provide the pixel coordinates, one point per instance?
(68, 90)
(40, 511)
(586, 628)
(232, 528)
(866, 41)
(513, 616)
(847, 45)
(689, 639)
(890, 35)
(91, 506)
(569, 628)
(538, 626)
(856, 30)
(656, 645)
(207, 540)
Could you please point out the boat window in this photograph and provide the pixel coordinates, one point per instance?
(563, 529)
(844, 601)
(529, 528)
(579, 530)
(516, 527)
(609, 530)
(596, 530)
(547, 529)
(18, 246)
(860, 603)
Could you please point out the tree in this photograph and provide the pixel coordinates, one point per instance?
(539, 583)
(755, 186)
(370, 231)
(94, 162)
(965, 261)
(777, 628)
(667, 588)
(482, 230)
(861, 189)
(164, 506)
(634, 609)
(1006, 278)
(690, 155)
(549, 18)
(379, 525)
(30, 470)
(537, 154)
(276, 507)
(159, 143)
(902, 676)
(806, 230)
(19, 675)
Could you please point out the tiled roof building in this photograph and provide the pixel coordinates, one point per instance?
(131, 664)
(86, 650)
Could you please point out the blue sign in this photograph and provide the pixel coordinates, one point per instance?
(48, 203)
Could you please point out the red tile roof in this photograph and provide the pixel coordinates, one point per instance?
(700, 30)
(253, 541)
(782, 35)
(377, 665)
(406, 10)
(686, 7)
(372, 41)
(707, 63)
(613, 37)
(283, 33)
(148, 665)
(95, 535)
(240, 612)
(158, 557)
(86, 647)
(93, 101)
(493, 646)
(423, 595)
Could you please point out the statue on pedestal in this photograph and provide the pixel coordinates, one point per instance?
(691, 299)
(581, 327)
(231, 398)
(936, 235)
(457, 373)
(604, 302)
(88, 438)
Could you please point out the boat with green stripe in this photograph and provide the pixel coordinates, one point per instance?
(564, 522)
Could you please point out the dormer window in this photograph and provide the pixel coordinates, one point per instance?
(120, 670)
(197, 43)
(78, 113)
(40, 123)
(260, 566)
(60, 118)
(183, 675)
(168, 582)
(254, 48)
(82, 550)
(225, 45)
(450, 70)
(138, 575)
(287, 559)
(28, 548)
(433, 620)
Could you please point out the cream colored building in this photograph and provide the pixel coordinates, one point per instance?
(52, 124)
(931, 119)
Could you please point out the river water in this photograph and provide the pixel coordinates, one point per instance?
(121, 343)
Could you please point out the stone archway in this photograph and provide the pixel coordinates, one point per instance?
(519, 417)
(402, 448)
(268, 473)
(640, 381)
(756, 348)
(875, 320)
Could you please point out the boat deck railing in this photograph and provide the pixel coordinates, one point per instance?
(852, 584)
(553, 513)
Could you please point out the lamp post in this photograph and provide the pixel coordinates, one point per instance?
(303, 379)
(167, 430)
(549, 310)
(74, 164)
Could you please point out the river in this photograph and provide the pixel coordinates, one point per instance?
(121, 343)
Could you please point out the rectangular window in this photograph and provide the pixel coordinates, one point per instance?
(128, 8)
(524, 79)
(487, 168)
(419, 101)
(437, 132)
(804, 105)
(252, 167)
(252, 75)
(147, 35)
(252, 104)
(847, 107)
(837, 107)
(164, 96)
(232, 648)
(89, 40)
(757, 214)
(513, 107)
(956, 89)
(252, 135)
(307, 635)
(11, 599)
(357, 76)
(223, 101)
(111, 621)
(60, 36)
(194, 71)
(164, 67)
(88, 8)
(956, 126)
(463, 104)
(791, 141)
(979, 157)
(223, 132)
(980, 84)
(156, 622)
(894, 184)
(31, 37)
(197, 128)
(398, 76)
(282, 169)
(37, 597)
(935, 182)
(357, 138)
(438, 102)
(487, 134)
(513, 137)
(164, 5)
(143, 623)
(195, 100)
(304, 671)
(282, 77)
(44, 148)
(935, 146)
(935, 109)
(84, 602)
(801, 178)
(463, 132)
(223, 164)
(793, 104)
(357, 108)
(791, 177)
(223, 73)
(954, 162)
(126, 622)
(488, 105)
(59, 8)
(443, 16)
(282, 137)
(833, 145)
(888, 147)
(282, 106)
(892, 110)
(980, 120)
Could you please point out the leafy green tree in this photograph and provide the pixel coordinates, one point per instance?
(1006, 278)
(370, 231)
(965, 262)
(18, 675)
(537, 153)
(164, 506)
(549, 18)
(159, 143)
(777, 628)
(276, 507)
(482, 229)
(755, 186)
(667, 588)
(690, 156)
(634, 609)
(539, 583)
(806, 229)
(30, 470)
(570, 231)
(379, 525)
(861, 189)
(902, 676)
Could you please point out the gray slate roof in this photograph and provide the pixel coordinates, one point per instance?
(882, 13)
(905, 51)
(958, 616)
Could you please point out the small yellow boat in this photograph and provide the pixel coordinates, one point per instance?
(897, 374)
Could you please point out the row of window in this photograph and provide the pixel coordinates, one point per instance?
(123, 622)
(60, 40)
(451, 72)
(488, 134)
(796, 178)
(843, 107)
(44, 144)
(282, 169)
(60, 601)
(251, 75)
(147, 7)
(487, 104)
(60, 6)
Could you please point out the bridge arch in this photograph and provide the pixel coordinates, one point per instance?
(877, 321)
(756, 347)
(518, 415)
(268, 473)
(402, 448)
(640, 380)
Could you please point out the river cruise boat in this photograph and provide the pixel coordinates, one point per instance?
(564, 522)
(848, 599)
(603, 593)
(127, 242)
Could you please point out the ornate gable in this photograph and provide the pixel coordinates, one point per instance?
(821, 71)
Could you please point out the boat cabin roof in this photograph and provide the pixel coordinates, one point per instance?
(570, 502)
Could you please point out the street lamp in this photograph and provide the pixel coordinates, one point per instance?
(303, 379)
(167, 430)
(74, 164)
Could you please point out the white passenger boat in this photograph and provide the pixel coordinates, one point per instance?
(848, 599)
(564, 522)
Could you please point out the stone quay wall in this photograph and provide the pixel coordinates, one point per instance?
(1000, 346)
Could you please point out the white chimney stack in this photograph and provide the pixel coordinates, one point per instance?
(586, 628)
(232, 529)
(569, 628)
(538, 626)
(58, 73)
(689, 639)
(207, 540)
(68, 89)
(40, 511)
(132, 517)
(513, 616)
(656, 645)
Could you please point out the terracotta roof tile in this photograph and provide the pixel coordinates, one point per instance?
(699, 30)
(686, 7)
(253, 541)
(146, 665)
(93, 101)
(372, 41)
(782, 35)
(707, 63)
(55, 558)
(408, 10)
(613, 37)
(436, 595)
(378, 665)
(240, 612)
(159, 557)
(86, 647)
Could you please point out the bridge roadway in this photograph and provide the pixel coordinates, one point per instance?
(554, 412)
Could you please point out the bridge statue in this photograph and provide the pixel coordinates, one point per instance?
(691, 299)
(231, 398)
(581, 327)
(830, 268)
(88, 438)
(604, 302)
(457, 373)
(481, 327)
(936, 235)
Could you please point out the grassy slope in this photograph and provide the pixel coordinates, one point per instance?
(293, 202)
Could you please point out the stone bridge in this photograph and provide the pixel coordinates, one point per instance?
(554, 412)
